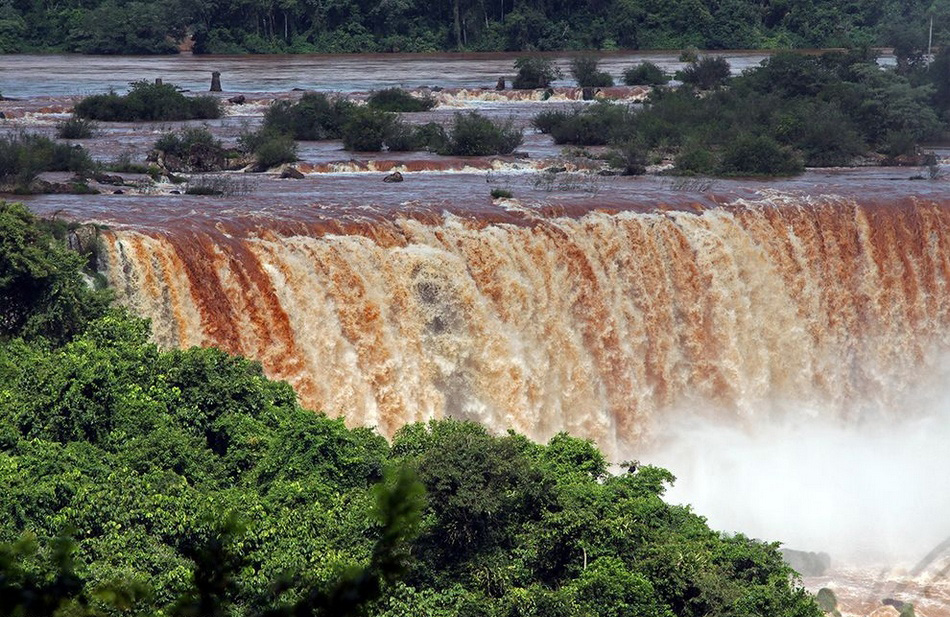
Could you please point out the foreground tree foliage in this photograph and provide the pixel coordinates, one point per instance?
(136, 481)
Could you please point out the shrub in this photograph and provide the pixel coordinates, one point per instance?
(398, 100)
(534, 72)
(826, 137)
(270, 148)
(645, 74)
(181, 142)
(690, 54)
(148, 101)
(25, 155)
(473, 134)
(707, 73)
(500, 194)
(314, 117)
(584, 70)
(366, 129)
(404, 137)
(431, 136)
(629, 157)
(899, 143)
(548, 119)
(76, 128)
(759, 155)
(696, 160)
(595, 125)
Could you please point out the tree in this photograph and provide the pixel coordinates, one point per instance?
(42, 293)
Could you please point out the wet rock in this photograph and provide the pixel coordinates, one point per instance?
(918, 159)
(200, 158)
(556, 170)
(107, 179)
(175, 192)
(215, 81)
(501, 84)
(118, 192)
(291, 172)
(806, 563)
(3, 116)
(393, 177)
(238, 100)
(45, 187)
(609, 172)
(83, 239)
(297, 90)
(588, 93)
(895, 603)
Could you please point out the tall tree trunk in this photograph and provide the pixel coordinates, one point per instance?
(458, 22)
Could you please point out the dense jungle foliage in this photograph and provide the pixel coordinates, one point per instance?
(794, 110)
(137, 481)
(268, 26)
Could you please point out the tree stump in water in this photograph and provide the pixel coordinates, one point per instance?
(215, 81)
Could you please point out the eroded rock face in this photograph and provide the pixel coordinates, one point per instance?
(40, 186)
(200, 158)
(83, 239)
(807, 563)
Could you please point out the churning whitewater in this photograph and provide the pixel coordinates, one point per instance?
(595, 324)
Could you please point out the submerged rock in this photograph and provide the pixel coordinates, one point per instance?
(393, 177)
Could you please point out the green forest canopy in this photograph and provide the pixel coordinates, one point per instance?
(269, 26)
(189, 484)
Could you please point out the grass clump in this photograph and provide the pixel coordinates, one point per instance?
(75, 127)
(472, 134)
(645, 74)
(585, 73)
(25, 155)
(217, 185)
(123, 163)
(534, 72)
(500, 194)
(148, 101)
(398, 100)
